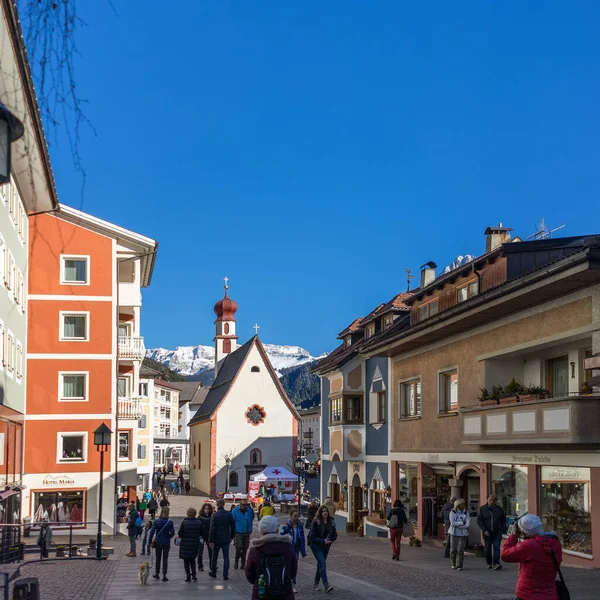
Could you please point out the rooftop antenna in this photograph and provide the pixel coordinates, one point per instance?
(409, 278)
(542, 232)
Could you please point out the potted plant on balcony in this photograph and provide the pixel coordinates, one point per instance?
(512, 392)
(537, 392)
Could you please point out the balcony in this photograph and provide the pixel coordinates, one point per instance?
(131, 348)
(129, 408)
(308, 435)
(571, 419)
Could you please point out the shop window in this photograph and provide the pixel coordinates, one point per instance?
(449, 391)
(124, 445)
(557, 376)
(509, 483)
(565, 506)
(377, 497)
(72, 447)
(233, 479)
(407, 490)
(59, 506)
(410, 398)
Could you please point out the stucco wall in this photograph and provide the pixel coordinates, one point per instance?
(200, 466)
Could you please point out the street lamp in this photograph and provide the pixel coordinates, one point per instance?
(299, 463)
(11, 129)
(228, 465)
(102, 442)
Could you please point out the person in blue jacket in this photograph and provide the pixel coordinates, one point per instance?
(162, 531)
(222, 531)
(295, 530)
(242, 517)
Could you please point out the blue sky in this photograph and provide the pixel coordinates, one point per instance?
(311, 151)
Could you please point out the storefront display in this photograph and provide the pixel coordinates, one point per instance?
(565, 506)
(59, 506)
(407, 490)
(509, 483)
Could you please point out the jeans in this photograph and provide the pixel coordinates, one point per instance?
(321, 557)
(458, 543)
(241, 542)
(201, 554)
(297, 553)
(225, 549)
(162, 551)
(132, 541)
(448, 544)
(189, 564)
(395, 539)
(492, 540)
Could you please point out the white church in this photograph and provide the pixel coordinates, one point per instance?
(246, 416)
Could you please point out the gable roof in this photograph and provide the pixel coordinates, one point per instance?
(167, 384)
(193, 392)
(232, 365)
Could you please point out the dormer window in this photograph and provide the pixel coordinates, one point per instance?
(387, 322)
(370, 330)
(348, 341)
(464, 292)
(428, 310)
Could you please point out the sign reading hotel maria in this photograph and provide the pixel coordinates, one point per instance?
(57, 480)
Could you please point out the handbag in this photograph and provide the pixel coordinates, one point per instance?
(407, 529)
(392, 523)
(561, 586)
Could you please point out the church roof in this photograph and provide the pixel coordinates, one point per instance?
(226, 377)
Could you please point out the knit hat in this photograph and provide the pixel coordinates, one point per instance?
(531, 525)
(268, 524)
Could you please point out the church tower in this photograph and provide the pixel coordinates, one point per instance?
(225, 338)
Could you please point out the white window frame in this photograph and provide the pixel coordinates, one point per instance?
(12, 203)
(2, 346)
(3, 251)
(130, 457)
(3, 189)
(19, 362)
(410, 380)
(72, 313)
(59, 447)
(9, 275)
(129, 386)
(9, 353)
(441, 408)
(65, 257)
(86, 386)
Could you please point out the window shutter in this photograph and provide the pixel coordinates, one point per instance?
(142, 422)
(141, 451)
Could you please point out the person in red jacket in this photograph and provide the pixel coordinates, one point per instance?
(538, 566)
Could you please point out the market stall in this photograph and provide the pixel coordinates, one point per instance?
(275, 483)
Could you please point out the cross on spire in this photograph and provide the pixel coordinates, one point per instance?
(226, 280)
(256, 328)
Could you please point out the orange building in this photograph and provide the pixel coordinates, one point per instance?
(84, 353)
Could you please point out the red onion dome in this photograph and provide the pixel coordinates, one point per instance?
(226, 308)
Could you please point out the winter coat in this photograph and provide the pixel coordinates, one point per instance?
(492, 519)
(399, 512)
(266, 511)
(446, 514)
(164, 530)
(222, 528)
(205, 527)
(243, 520)
(152, 504)
(300, 542)
(164, 502)
(330, 507)
(311, 515)
(459, 523)
(131, 528)
(269, 545)
(537, 570)
(190, 531)
(318, 535)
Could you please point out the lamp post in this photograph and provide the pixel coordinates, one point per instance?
(102, 442)
(11, 129)
(299, 463)
(228, 465)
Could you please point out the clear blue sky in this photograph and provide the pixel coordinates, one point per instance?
(311, 151)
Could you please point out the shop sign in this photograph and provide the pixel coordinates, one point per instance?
(565, 474)
(51, 480)
(538, 459)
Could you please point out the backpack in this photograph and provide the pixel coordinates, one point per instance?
(277, 575)
(139, 523)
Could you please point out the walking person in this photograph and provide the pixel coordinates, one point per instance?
(267, 510)
(313, 507)
(242, 517)
(188, 487)
(222, 531)
(272, 556)
(492, 522)
(330, 505)
(190, 532)
(295, 530)
(539, 556)
(322, 534)
(204, 517)
(459, 533)
(161, 533)
(395, 522)
(152, 507)
(134, 528)
(164, 501)
(146, 547)
(143, 506)
(448, 506)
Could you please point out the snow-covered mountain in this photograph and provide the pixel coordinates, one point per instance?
(458, 262)
(198, 362)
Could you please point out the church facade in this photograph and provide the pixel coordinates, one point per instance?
(246, 419)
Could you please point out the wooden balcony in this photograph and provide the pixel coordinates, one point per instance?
(131, 348)
(129, 408)
(566, 420)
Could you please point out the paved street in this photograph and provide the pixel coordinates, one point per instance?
(359, 569)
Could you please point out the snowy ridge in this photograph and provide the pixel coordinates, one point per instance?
(458, 262)
(192, 360)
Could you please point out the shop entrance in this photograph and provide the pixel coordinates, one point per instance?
(357, 501)
(436, 492)
(471, 495)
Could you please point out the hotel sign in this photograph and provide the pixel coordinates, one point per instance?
(537, 459)
(57, 480)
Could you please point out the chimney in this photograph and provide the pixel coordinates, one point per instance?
(427, 273)
(496, 236)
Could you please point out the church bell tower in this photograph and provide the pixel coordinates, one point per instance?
(225, 337)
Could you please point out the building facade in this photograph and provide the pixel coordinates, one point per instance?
(310, 432)
(84, 354)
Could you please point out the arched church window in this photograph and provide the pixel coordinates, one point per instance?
(255, 369)
(233, 479)
(255, 457)
(226, 328)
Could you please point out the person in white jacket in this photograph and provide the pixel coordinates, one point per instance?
(459, 533)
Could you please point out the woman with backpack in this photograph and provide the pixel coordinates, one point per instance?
(459, 533)
(322, 535)
(206, 512)
(271, 564)
(189, 533)
(395, 522)
(161, 533)
(295, 530)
